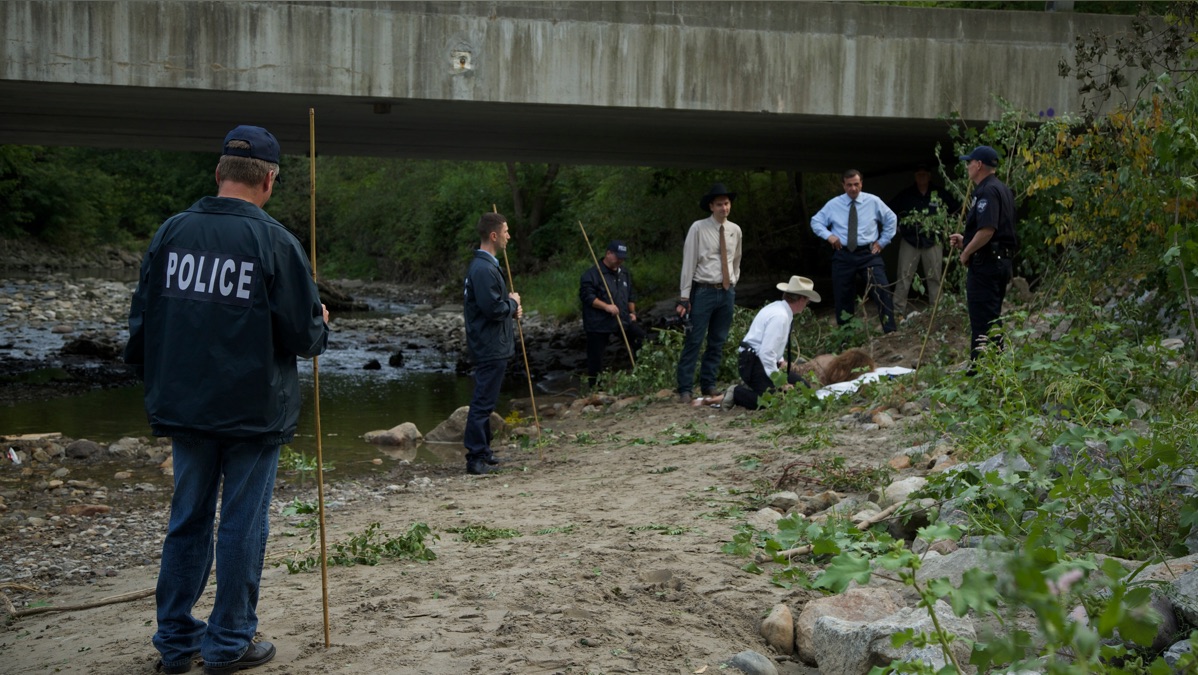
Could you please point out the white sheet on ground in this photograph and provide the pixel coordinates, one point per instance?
(848, 387)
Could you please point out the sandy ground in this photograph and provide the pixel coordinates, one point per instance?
(617, 568)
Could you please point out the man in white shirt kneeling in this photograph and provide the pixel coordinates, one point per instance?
(762, 352)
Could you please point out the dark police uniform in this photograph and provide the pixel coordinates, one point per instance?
(991, 267)
(225, 304)
(598, 324)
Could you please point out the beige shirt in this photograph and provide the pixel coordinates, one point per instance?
(701, 254)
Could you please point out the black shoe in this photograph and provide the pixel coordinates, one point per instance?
(684, 397)
(493, 460)
(479, 468)
(258, 654)
(175, 670)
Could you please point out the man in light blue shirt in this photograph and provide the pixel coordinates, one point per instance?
(858, 225)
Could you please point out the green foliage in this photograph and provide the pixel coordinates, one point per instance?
(370, 547)
(481, 534)
(75, 197)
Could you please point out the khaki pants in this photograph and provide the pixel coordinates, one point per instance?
(932, 259)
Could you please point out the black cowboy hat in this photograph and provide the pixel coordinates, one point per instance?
(717, 190)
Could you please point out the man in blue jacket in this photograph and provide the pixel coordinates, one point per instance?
(224, 306)
(489, 309)
(607, 297)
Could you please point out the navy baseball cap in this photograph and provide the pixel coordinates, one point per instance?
(984, 154)
(263, 144)
(616, 246)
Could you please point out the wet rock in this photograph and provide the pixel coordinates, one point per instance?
(83, 449)
(452, 429)
(396, 360)
(126, 447)
(404, 435)
(372, 364)
(62, 328)
(99, 345)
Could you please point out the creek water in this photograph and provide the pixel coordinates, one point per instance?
(353, 401)
(350, 405)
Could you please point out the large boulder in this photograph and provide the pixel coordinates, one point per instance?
(854, 647)
(855, 604)
(452, 429)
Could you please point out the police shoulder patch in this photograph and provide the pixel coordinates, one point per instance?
(981, 205)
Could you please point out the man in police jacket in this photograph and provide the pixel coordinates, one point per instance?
(607, 297)
(987, 247)
(224, 306)
(488, 308)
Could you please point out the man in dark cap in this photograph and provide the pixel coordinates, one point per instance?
(224, 307)
(607, 297)
(987, 247)
(710, 268)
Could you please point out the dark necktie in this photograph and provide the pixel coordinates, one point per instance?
(852, 243)
(725, 278)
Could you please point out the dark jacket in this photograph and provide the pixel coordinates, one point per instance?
(488, 311)
(591, 287)
(993, 206)
(914, 208)
(224, 305)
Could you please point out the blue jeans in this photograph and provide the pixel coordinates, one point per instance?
(248, 470)
(488, 378)
(711, 317)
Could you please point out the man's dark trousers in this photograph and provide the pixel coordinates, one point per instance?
(985, 288)
(756, 381)
(846, 265)
(488, 377)
(597, 346)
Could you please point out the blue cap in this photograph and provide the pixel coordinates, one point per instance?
(984, 154)
(263, 145)
(616, 246)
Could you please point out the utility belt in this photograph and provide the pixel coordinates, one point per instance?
(995, 252)
(746, 349)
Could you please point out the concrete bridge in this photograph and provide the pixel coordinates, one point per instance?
(796, 85)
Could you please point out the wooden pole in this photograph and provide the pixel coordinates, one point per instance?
(940, 289)
(603, 278)
(324, 559)
(532, 397)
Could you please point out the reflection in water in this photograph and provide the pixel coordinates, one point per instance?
(350, 405)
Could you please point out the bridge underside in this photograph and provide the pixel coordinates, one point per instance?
(195, 120)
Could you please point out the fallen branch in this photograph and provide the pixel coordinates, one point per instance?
(124, 597)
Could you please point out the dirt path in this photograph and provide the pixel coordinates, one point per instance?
(617, 567)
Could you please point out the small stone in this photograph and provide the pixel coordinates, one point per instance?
(899, 463)
(778, 629)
